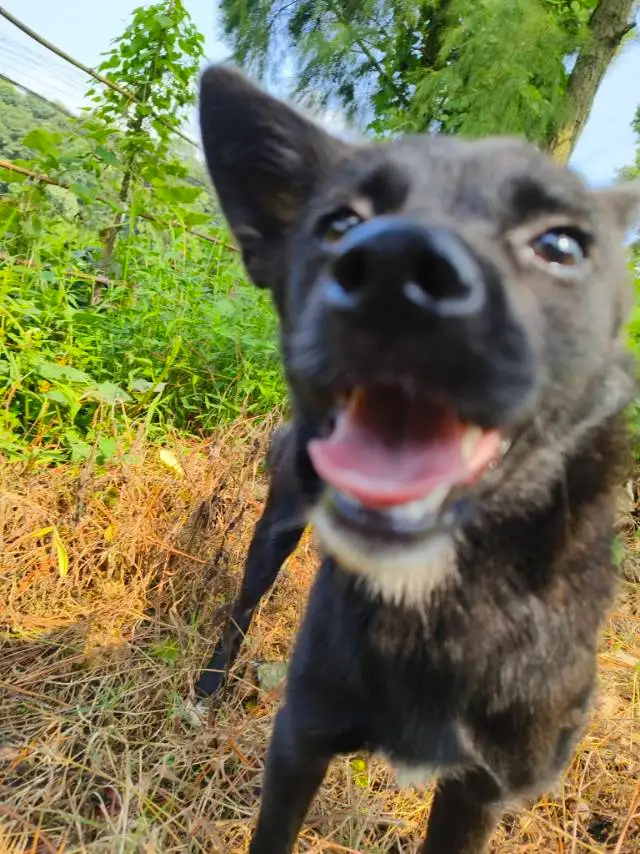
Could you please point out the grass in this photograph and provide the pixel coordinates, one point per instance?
(113, 584)
(182, 342)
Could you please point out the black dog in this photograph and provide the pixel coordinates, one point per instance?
(451, 317)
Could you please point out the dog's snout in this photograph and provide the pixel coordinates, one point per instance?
(387, 259)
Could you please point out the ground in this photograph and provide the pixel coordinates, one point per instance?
(113, 584)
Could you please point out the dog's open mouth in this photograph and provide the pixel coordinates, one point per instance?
(394, 459)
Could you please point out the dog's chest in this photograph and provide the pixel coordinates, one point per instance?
(418, 685)
(434, 751)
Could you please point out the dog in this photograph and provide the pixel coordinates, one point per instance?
(452, 329)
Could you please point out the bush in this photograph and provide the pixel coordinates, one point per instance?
(187, 345)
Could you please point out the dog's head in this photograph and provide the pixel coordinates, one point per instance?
(448, 308)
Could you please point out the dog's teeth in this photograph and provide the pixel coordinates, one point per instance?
(505, 444)
(414, 511)
(470, 439)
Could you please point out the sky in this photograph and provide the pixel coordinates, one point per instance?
(84, 30)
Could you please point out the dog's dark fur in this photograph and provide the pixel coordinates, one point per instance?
(469, 651)
(275, 537)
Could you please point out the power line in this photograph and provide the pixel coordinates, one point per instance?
(85, 68)
(22, 55)
(43, 65)
(188, 179)
(34, 81)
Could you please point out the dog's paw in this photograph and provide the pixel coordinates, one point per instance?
(211, 681)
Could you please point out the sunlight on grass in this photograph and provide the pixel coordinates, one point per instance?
(98, 749)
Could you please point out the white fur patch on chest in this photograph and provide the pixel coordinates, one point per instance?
(416, 776)
(412, 580)
(408, 575)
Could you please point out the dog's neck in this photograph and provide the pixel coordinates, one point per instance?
(409, 578)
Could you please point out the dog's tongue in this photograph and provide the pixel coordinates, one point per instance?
(385, 452)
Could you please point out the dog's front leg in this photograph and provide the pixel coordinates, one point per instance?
(296, 765)
(464, 813)
(276, 535)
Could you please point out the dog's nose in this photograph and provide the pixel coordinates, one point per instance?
(389, 258)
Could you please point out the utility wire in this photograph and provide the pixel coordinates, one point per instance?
(4, 13)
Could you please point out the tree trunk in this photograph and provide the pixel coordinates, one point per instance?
(111, 237)
(123, 197)
(609, 24)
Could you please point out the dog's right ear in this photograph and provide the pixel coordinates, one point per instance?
(265, 161)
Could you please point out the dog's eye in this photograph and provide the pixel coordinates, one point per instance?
(568, 247)
(334, 226)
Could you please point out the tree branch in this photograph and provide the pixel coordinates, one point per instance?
(369, 55)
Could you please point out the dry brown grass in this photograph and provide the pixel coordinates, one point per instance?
(97, 752)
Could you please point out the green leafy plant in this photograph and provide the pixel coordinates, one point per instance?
(194, 348)
(174, 338)
(155, 60)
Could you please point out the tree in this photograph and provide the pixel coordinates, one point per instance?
(156, 59)
(608, 26)
(468, 66)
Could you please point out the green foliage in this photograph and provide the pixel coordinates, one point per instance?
(466, 66)
(123, 153)
(21, 114)
(156, 59)
(176, 340)
(511, 80)
(630, 173)
(155, 62)
(192, 347)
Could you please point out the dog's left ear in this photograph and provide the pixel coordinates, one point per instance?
(265, 161)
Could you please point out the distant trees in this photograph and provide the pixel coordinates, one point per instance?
(21, 113)
(529, 67)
